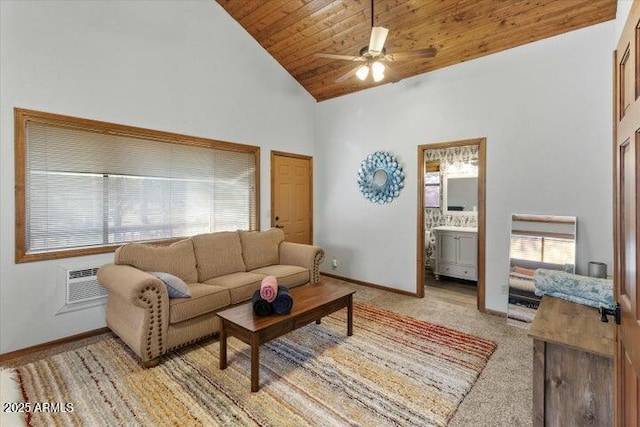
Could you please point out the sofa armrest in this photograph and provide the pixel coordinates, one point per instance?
(307, 256)
(137, 309)
(128, 283)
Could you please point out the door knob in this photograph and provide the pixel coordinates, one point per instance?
(277, 218)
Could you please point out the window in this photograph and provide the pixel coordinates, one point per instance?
(432, 184)
(87, 187)
(539, 248)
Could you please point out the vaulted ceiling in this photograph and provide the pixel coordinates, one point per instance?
(293, 31)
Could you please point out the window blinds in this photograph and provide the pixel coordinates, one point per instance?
(547, 239)
(86, 188)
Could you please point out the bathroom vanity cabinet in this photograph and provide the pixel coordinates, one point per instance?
(456, 252)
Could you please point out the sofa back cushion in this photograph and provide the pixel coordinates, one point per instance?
(177, 259)
(218, 254)
(261, 248)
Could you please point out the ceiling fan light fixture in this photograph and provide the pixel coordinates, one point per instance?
(362, 72)
(377, 71)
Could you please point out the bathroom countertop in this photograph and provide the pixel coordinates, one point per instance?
(454, 228)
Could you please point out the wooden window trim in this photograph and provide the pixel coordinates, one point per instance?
(551, 219)
(23, 116)
(432, 166)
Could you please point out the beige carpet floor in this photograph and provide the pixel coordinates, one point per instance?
(502, 394)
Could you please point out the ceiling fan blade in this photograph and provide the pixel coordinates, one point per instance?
(347, 75)
(391, 75)
(342, 57)
(378, 37)
(428, 52)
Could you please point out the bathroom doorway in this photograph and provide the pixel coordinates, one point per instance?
(451, 212)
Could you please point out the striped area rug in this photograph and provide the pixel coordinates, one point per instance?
(394, 371)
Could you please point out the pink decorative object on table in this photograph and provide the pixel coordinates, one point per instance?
(269, 288)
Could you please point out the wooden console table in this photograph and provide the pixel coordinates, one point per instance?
(572, 365)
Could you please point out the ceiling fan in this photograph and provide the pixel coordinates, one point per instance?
(375, 56)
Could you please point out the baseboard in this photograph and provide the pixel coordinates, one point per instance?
(51, 344)
(495, 313)
(370, 285)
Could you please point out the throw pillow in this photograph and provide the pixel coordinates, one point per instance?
(218, 254)
(177, 259)
(175, 285)
(261, 248)
(524, 271)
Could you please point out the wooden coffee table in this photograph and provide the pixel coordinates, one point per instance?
(311, 302)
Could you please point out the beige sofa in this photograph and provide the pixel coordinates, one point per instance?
(220, 269)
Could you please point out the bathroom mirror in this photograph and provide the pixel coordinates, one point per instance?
(460, 194)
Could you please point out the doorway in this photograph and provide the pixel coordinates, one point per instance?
(292, 196)
(431, 157)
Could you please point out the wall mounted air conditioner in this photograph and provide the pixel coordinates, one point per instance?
(81, 288)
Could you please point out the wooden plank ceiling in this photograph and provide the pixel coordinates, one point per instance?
(293, 31)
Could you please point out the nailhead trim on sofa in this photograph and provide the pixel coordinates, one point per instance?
(151, 298)
(316, 264)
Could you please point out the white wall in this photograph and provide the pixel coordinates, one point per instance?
(623, 7)
(545, 109)
(179, 66)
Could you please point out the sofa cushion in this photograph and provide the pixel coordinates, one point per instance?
(204, 299)
(177, 259)
(287, 275)
(260, 248)
(176, 288)
(241, 286)
(218, 254)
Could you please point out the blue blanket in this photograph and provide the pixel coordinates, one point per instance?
(585, 290)
(261, 306)
(283, 302)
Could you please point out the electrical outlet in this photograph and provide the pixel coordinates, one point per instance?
(334, 263)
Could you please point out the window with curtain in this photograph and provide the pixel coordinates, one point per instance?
(91, 186)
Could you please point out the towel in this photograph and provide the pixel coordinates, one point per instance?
(584, 290)
(269, 288)
(261, 306)
(283, 302)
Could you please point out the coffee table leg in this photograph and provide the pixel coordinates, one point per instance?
(350, 316)
(255, 363)
(223, 347)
